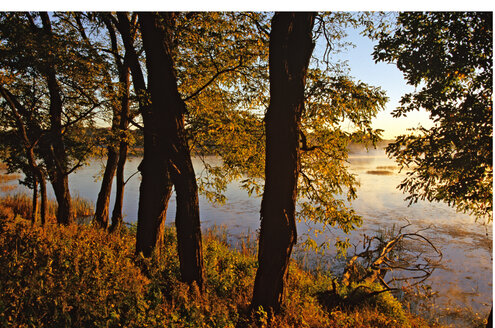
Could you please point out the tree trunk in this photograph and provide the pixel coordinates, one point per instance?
(123, 117)
(41, 180)
(44, 206)
(57, 158)
(60, 184)
(156, 188)
(34, 205)
(291, 46)
(168, 110)
(102, 203)
(117, 216)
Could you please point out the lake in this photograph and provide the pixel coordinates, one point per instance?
(463, 279)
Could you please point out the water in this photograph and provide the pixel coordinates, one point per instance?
(464, 278)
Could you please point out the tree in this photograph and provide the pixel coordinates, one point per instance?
(119, 103)
(156, 188)
(448, 57)
(64, 96)
(123, 119)
(56, 155)
(338, 111)
(170, 151)
(291, 45)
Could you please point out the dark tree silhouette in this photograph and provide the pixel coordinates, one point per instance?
(291, 46)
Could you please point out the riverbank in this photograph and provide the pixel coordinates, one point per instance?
(78, 276)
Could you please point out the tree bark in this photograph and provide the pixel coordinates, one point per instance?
(124, 79)
(34, 203)
(101, 216)
(56, 154)
(117, 215)
(291, 46)
(43, 207)
(168, 111)
(156, 188)
(39, 206)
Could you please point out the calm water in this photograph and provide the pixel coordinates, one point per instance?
(464, 278)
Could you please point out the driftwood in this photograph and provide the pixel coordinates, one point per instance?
(380, 255)
(373, 263)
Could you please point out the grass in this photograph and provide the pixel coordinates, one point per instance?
(7, 188)
(20, 204)
(8, 177)
(77, 276)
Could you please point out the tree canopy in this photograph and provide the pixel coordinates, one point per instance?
(448, 57)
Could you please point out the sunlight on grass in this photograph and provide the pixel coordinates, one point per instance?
(21, 205)
(78, 276)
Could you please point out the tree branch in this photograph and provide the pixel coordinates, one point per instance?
(217, 74)
(304, 146)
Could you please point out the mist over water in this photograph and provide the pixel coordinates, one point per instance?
(464, 278)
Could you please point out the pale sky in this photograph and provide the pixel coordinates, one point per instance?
(386, 76)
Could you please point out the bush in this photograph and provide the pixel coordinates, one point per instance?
(66, 276)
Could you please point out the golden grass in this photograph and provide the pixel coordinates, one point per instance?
(8, 177)
(78, 276)
(7, 188)
(21, 205)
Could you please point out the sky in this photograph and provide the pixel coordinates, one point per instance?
(389, 78)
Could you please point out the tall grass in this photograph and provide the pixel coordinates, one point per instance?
(77, 276)
(8, 177)
(20, 204)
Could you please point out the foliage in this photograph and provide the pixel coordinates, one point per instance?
(221, 62)
(73, 276)
(77, 276)
(226, 118)
(448, 56)
(326, 187)
(221, 59)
